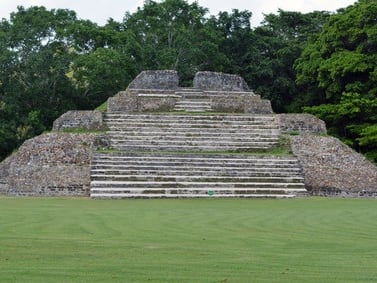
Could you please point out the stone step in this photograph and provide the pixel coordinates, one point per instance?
(228, 123)
(115, 135)
(193, 108)
(187, 148)
(201, 167)
(118, 120)
(193, 141)
(185, 184)
(149, 90)
(190, 178)
(189, 167)
(195, 156)
(185, 195)
(196, 159)
(190, 118)
(187, 107)
(180, 117)
(186, 131)
(149, 147)
(183, 166)
(158, 95)
(183, 92)
(155, 135)
(194, 95)
(188, 89)
(194, 101)
(191, 146)
(230, 93)
(194, 194)
(121, 124)
(294, 177)
(207, 163)
(186, 169)
(157, 165)
(189, 190)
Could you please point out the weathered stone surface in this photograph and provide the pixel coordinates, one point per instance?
(219, 81)
(147, 101)
(155, 103)
(241, 104)
(122, 102)
(89, 120)
(160, 79)
(55, 164)
(301, 123)
(333, 169)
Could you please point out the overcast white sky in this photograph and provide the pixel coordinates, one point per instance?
(100, 11)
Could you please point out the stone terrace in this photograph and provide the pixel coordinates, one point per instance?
(168, 141)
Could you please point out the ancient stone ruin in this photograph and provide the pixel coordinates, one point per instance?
(220, 82)
(212, 91)
(159, 140)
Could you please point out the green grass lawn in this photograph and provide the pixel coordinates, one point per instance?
(83, 240)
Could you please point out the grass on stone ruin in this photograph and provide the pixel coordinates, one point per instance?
(83, 240)
(282, 148)
(103, 107)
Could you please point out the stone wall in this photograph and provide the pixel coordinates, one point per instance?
(333, 169)
(157, 103)
(55, 164)
(160, 79)
(219, 81)
(130, 102)
(300, 123)
(89, 120)
(241, 104)
(122, 102)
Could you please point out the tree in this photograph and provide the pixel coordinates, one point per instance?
(234, 30)
(100, 74)
(277, 43)
(174, 35)
(338, 71)
(34, 61)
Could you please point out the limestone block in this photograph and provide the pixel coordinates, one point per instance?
(301, 123)
(160, 79)
(122, 103)
(90, 120)
(241, 104)
(156, 103)
(219, 81)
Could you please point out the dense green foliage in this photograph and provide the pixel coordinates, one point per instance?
(81, 240)
(51, 62)
(339, 72)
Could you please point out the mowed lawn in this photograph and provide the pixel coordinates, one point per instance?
(83, 240)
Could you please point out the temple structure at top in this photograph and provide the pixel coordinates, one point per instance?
(159, 91)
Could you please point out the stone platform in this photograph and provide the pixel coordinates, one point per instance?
(211, 140)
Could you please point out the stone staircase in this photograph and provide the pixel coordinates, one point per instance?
(156, 175)
(193, 105)
(193, 155)
(192, 100)
(151, 132)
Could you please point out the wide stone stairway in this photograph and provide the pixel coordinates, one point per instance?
(181, 154)
(184, 155)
